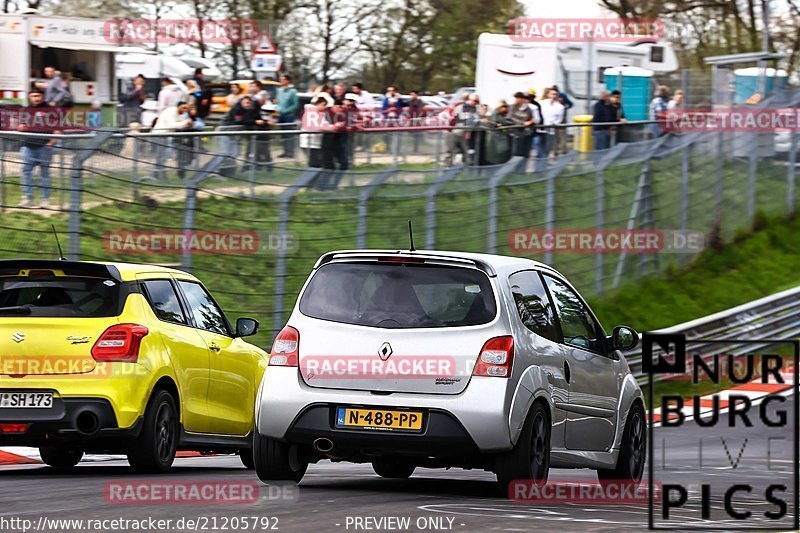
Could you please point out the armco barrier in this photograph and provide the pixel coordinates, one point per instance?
(773, 317)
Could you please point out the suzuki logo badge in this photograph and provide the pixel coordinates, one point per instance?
(18, 337)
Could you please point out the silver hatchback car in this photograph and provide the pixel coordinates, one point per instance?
(444, 359)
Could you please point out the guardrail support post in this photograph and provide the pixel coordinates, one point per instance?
(284, 203)
(494, 182)
(363, 205)
(76, 193)
(191, 204)
(430, 204)
(790, 181)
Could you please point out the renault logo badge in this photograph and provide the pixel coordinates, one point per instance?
(385, 351)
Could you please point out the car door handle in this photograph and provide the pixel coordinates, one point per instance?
(214, 347)
(566, 371)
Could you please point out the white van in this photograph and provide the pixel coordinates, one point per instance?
(506, 66)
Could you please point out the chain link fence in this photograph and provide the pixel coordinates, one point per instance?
(251, 227)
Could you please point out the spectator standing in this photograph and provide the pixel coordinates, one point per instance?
(536, 109)
(194, 93)
(170, 119)
(36, 151)
(498, 143)
(601, 112)
(677, 100)
(132, 101)
(245, 115)
(234, 95)
(199, 78)
(288, 104)
(319, 108)
(561, 133)
(464, 116)
(56, 92)
(658, 110)
(552, 114)
(169, 95)
(616, 114)
(392, 103)
(522, 115)
(364, 101)
(188, 145)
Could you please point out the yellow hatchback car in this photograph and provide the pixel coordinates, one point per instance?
(122, 358)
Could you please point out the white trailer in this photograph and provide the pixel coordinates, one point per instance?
(506, 66)
(79, 48)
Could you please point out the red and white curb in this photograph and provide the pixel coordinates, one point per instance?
(21, 455)
(755, 390)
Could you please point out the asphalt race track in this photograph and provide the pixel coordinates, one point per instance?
(332, 496)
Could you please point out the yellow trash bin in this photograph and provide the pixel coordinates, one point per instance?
(583, 138)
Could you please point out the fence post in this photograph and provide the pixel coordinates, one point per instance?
(135, 168)
(191, 204)
(790, 185)
(550, 196)
(684, 194)
(718, 188)
(363, 205)
(252, 171)
(284, 203)
(600, 191)
(499, 175)
(3, 197)
(751, 180)
(76, 193)
(430, 204)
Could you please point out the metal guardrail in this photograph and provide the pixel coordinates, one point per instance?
(773, 317)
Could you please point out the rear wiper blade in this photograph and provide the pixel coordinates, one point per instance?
(16, 310)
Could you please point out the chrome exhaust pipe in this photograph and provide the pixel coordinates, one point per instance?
(323, 445)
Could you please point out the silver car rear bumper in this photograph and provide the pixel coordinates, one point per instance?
(479, 409)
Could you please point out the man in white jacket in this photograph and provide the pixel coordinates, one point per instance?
(552, 113)
(169, 95)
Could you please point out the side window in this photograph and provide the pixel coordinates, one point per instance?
(533, 305)
(206, 313)
(577, 324)
(164, 301)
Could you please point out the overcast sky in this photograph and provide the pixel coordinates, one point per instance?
(561, 9)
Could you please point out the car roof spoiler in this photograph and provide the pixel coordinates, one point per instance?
(11, 267)
(377, 255)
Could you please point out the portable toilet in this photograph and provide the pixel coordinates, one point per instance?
(747, 83)
(634, 83)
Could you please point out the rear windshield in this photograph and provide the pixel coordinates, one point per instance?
(62, 297)
(395, 295)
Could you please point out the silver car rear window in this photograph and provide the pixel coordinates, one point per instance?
(399, 295)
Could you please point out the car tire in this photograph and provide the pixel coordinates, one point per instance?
(246, 457)
(530, 457)
(633, 451)
(59, 457)
(276, 461)
(394, 470)
(154, 451)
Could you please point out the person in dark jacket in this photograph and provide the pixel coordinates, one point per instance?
(37, 117)
(245, 115)
(601, 112)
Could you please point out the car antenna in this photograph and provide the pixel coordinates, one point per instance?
(60, 253)
(411, 237)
